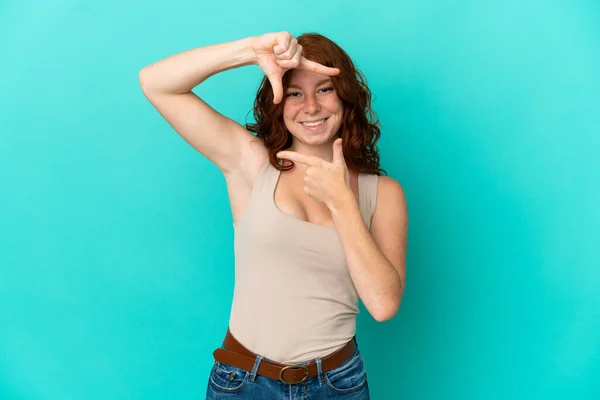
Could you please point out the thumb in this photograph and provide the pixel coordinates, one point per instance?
(338, 152)
(277, 86)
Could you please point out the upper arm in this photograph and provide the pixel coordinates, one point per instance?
(389, 225)
(220, 139)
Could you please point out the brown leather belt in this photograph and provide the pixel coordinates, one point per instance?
(236, 355)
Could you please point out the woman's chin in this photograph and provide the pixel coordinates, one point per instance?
(317, 141)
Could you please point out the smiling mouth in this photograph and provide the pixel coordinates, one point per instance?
(314, 124)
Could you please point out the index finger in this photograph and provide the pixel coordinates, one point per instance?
(316, 67)
(311, 161)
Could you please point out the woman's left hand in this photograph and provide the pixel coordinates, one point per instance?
(326, 182)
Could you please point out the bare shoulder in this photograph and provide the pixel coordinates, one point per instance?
(253, 157)
(390, 194)
(391, 209)
(241, 180)
(389, 225)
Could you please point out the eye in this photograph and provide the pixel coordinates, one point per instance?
(327, 89)
(292, 94)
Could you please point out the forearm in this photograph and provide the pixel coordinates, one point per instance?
(376, 280)
(181, 72)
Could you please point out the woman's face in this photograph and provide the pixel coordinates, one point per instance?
(312, 110)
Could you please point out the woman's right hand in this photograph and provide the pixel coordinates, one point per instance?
(279, 52)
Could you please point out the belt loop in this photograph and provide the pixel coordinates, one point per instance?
(319, 370)
(255, 368)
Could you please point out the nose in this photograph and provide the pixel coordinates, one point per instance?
(312, 105)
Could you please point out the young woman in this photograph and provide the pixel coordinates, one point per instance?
(316, 225)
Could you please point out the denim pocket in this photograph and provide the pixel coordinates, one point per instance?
(227, 378)
(348, 377)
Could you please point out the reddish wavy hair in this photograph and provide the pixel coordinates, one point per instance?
(360, 129)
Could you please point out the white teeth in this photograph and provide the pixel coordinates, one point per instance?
(316, 123)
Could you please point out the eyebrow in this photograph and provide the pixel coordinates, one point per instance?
(318, 83)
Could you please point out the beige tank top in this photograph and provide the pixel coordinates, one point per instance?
(293, 298)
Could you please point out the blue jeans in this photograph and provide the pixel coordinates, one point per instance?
(347, 381)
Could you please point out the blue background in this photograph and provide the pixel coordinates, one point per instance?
(116, 261)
